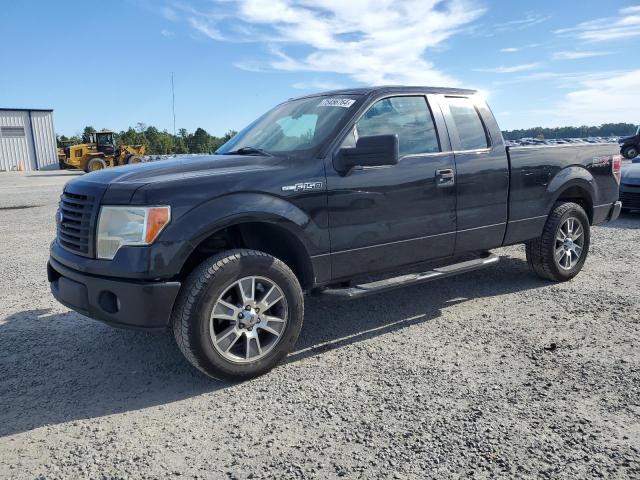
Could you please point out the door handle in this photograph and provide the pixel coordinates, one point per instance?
(445, 177)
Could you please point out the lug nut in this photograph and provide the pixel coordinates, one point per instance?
(248, 307)
(241, 325)
(241, 316)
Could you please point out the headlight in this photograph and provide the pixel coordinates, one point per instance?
(118, 226)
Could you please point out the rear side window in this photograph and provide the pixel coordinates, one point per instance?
(471, 131)
(408, 117)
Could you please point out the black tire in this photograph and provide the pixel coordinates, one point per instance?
(199, 294)
(630, 152)
(625, 210)
(541, 251)
(95, 164)
(62, 164)
(132, 159)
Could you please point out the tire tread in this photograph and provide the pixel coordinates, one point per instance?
(539, 257)
(197, 281)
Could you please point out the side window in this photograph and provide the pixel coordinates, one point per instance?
(408, 117)
(468, 123)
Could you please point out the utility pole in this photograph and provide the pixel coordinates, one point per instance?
(173, 107)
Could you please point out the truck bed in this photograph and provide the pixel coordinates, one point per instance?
(538, 170)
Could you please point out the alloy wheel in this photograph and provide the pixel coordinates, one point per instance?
(569, 243)
(248, 319)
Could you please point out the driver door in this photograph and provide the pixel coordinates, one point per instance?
(385, 217)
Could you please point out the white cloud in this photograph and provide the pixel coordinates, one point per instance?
(630, 10)
(565, 80)
(206, 29)
(509, 69)
(626, 25)
(169, 14)
(317, 85)
(519, 49)
(530, 20)
(371, 41)
(600, 100)
(249, 65)
(166, 33)
(576, 55)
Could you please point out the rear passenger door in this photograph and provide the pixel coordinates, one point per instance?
(482, 172)
(385, 217)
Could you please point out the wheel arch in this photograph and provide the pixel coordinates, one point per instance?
(573, 184)
(272, 237)
(278, 228)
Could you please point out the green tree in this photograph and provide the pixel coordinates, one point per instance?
(199, 142)
(86, 132)
(180, 146)
(605, 130)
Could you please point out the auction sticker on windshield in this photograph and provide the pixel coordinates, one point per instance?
(337, 102)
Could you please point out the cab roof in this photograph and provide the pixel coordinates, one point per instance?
(393, 89)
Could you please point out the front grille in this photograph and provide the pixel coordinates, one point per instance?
(75, 230)
(630, 199)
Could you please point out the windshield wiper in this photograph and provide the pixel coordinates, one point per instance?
(249, 151)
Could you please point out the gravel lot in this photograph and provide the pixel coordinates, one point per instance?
(496, 373)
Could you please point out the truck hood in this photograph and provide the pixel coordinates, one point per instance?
(119, 184)
(178, 168)
(630, 174)
(631, 139)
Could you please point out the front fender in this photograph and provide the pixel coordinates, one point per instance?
(182, 237)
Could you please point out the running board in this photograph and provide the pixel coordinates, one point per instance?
(379, 286)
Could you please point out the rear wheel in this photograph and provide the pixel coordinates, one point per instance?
(238, 314)
(630, 152)
(560, 252)
(95, 164)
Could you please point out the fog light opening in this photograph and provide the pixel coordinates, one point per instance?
(109, 302)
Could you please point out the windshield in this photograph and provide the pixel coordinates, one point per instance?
(292, 126)
(104, 139)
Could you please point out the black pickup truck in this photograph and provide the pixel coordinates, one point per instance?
(341, 193)
(630, 146)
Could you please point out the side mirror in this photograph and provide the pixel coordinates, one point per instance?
(374, 151)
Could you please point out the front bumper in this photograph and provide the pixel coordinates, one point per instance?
(118, 302)
(630, 196)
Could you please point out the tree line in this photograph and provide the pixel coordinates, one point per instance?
(604, 130)
(158, 142)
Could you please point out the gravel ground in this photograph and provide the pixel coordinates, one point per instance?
(496, 373)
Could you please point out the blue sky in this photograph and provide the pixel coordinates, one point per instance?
(109, 64)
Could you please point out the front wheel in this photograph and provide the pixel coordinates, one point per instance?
(95, 164)
(560, 252)
(630, 152)
(238, 314)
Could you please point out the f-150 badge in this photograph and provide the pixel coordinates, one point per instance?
(298, 187)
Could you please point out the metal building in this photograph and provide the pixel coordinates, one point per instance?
(27, 140)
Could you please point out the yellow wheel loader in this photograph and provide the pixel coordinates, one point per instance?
(62, 156)
(100, 152)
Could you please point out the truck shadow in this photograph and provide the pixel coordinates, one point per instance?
(61, 367)
(626, 221)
